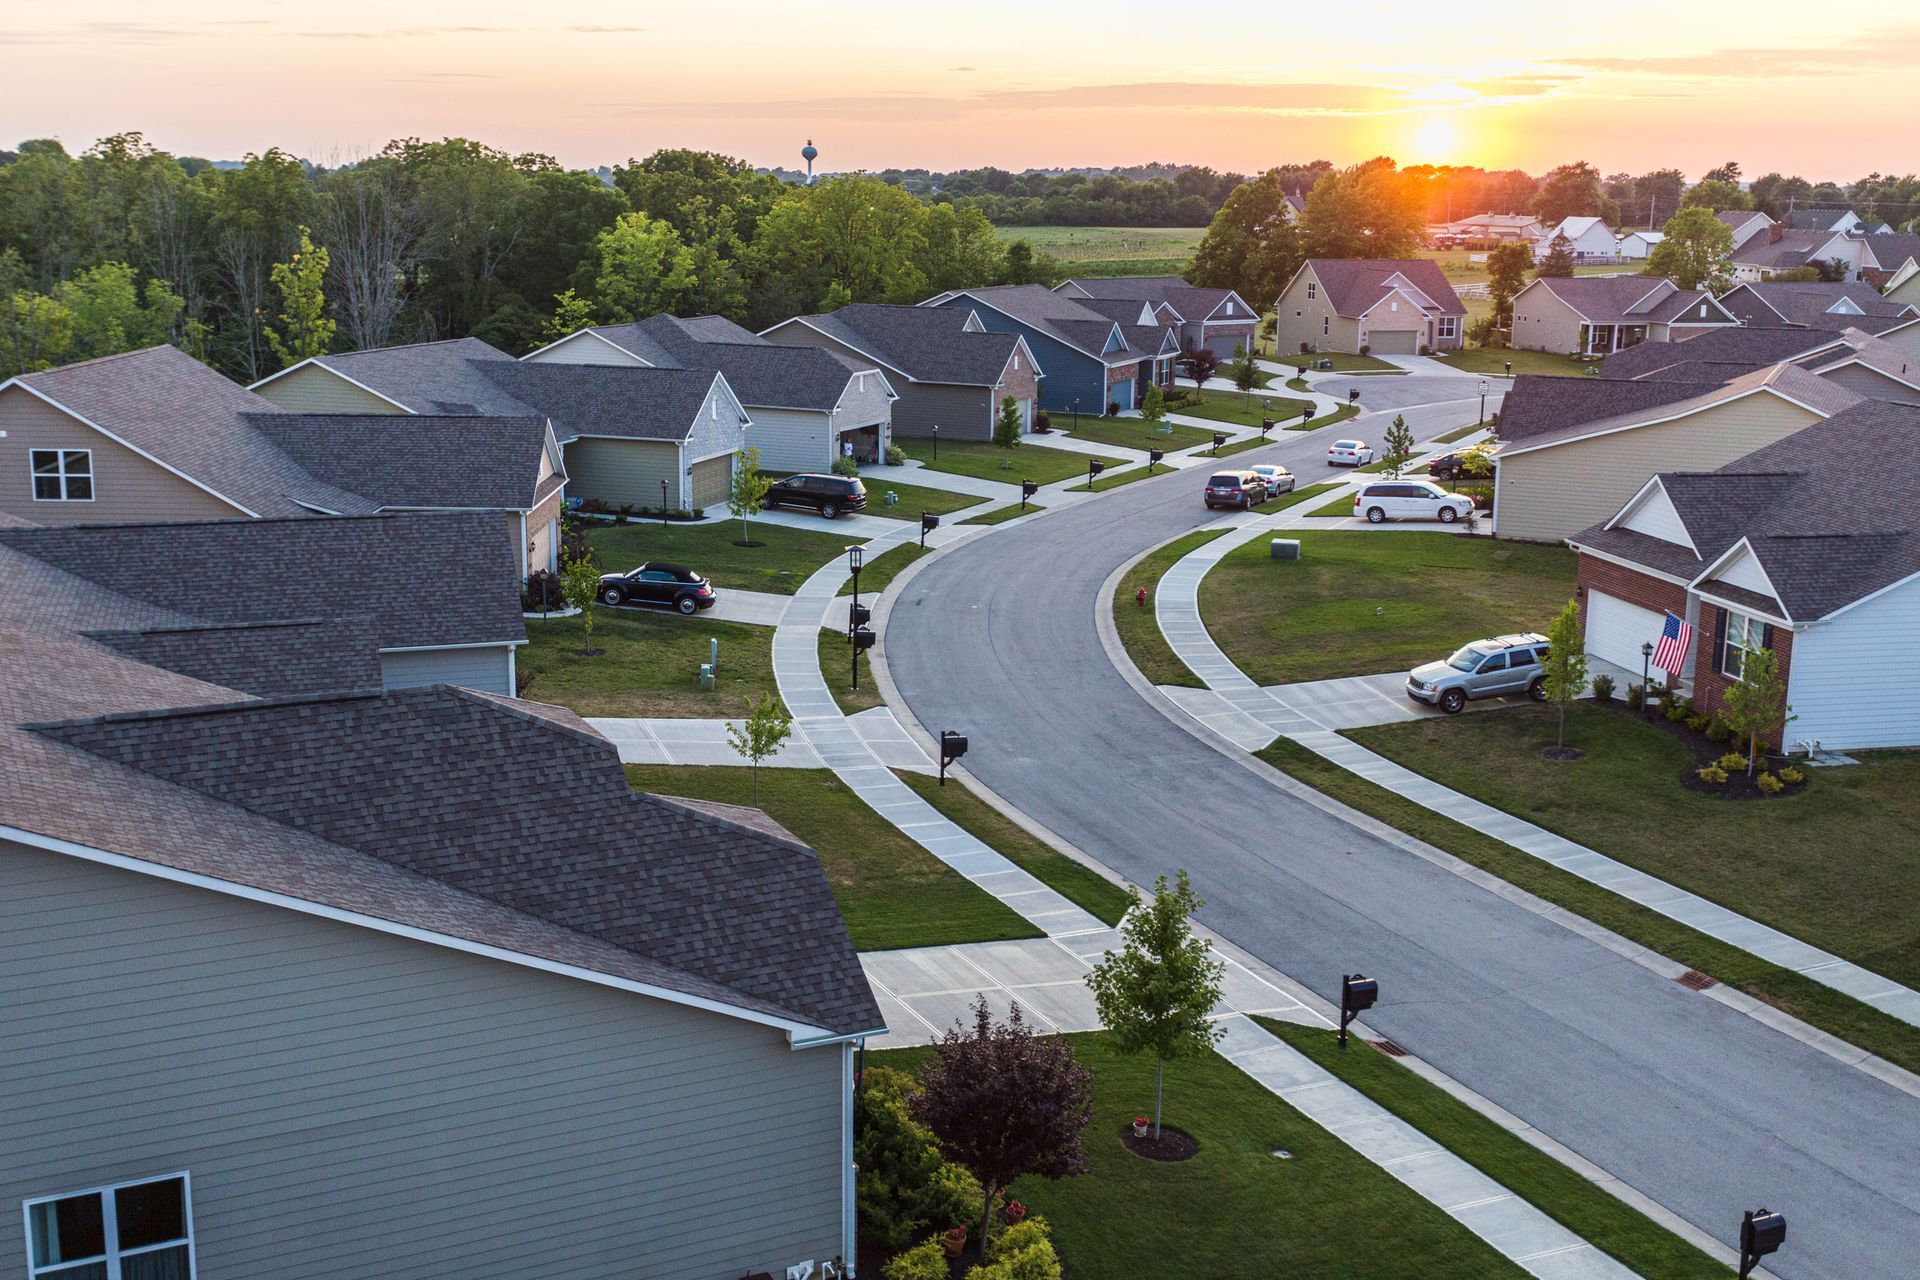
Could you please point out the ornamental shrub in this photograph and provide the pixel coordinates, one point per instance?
(1603, 688)
(1636, 696)
(1732, 762)
(844, 466)
(1768, 784)
(1042, 420)
(925, 1261)
(1697, 722)
(1676, 711)
(1790, 775)
(1021, 1252)
(1712, 773)
(1718, 729)
(896, 456)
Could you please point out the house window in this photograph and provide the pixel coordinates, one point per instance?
(1016, 362)
(1326, 325)
(128, 1231)
(62, 475)
(1744, 635)
(1449, 327)
(1310, 291)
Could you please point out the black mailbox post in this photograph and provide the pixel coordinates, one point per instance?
(858, 616)
(1154, 457)
(1219, 438)
(928, 523)
(863, 638)
(1357, 994)
(1266, 425)
(1027, 489)
(1353, 396)
(1306, 415)
(1761, 1232)
(1094, 468)
(952, 747)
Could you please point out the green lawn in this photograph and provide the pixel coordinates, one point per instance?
(650, 667)
(1794, 993)
(835, 667)
(1030, 461)
(1495, 359)
(892, 892)
(1139, 632)
(1133, 433)
(914, 499)
(1459, 433)
(1327, 1213)
(1341, 414)
(1343, 362)
(1341, 507)
(1643, 1246)
(1837, 865)
(1081, 884)
(1001, 515)
(1140, 246)
(877, 574)
(1359, 603)
(1244, 410)
(1111, 479)
(783, 561)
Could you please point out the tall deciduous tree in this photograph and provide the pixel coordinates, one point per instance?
(1697, 252)
(1713, 196)
(1564, 669)
(1003, 1103)
(1154, 993)
(1252, 246)
(305, 329)
(1573, 191)
(1367, 211)
(1507, 268)
(644, 268)
(372, 235)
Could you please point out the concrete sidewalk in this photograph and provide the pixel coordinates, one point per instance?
(704, 742)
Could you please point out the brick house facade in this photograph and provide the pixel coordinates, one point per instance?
(1643, 589)
(1709, 684)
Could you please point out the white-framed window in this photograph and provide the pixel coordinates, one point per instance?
(1310, 290)
(140, 1230)
(1744, 635)
(1326, 325)
(1449, 327)
(62, 475)
(1016, 362)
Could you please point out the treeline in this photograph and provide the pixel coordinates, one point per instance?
(125, 245)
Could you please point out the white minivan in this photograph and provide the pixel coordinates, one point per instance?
(1409, 500)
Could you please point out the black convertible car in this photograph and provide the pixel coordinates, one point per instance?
(659, 582)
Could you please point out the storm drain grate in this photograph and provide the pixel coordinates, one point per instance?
(1697, 980)
(1389, 1048)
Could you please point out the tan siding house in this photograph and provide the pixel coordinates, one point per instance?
(1542, 322)
(1307, 320)
(1392, 306)
(313, 388)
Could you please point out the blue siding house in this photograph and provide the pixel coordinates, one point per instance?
(1092, 360)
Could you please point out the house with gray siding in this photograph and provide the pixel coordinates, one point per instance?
(1218, 319)
(405, 983)
(1093, 361)
(805, 408)
(949, 372)
(1598, 315)
(1814, 304)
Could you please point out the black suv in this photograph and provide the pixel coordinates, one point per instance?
(829, 495)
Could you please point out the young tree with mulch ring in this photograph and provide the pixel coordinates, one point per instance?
(748, 493)
(761, 734)
(1201, 363)
(580, 587)
(1006, 430)
(1004, 1103)
(1156, 991)
(1563, 670)
(1756, 703)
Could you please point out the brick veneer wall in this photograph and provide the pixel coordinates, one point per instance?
(1627, 584)
(1709, 686)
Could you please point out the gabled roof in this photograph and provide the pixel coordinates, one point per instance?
(1891, 250)
(926, 344)
(1869, 352)
(1817, 219)
(1778, 502)
(1796, 247)
(763, 374)
(1192, 303)
(594, 400)
(1539, 404)
(1575, 227)
(427, 377)
(1752, 347)
(419, 460)
(1809, 303)
(163, 403)
(1653, 402)
(1630, 299)
(1354, 285)
(1061, 318)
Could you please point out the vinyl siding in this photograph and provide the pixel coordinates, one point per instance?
(1873, 384)
(1542, 322)
(541, 532)
(1071, 373)
(1556, 492)
(961, 412)
(586, 349)
(313, 389)
(488, 669)
(1343, 332)
(1907, 291)
(1852, 683)
(792, 439)
(353, 1104)
(126, 486)
(623, 472)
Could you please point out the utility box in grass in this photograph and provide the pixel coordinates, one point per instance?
(1284, 548)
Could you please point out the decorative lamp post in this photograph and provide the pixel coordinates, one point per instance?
(936, 442)
(1646, 669)
(663, 504)
(1483, 399)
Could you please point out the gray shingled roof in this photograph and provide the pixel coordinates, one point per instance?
(1668, 399)
(1807, 303)
(1892, 249)
(1355, 284)
(1193, 302)
(262, 658)
(1627, 299)
(1540, 403)
(168, 405)
(928, 344)
(761, 373)
(591, 400)
(431, 377)
(1816, 219)
(1039, 307)
(1753, 347)
(418, 460)
(1796, 247)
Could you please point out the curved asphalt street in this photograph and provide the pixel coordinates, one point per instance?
(1701, 1107)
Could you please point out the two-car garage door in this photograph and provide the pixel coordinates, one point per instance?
(1394, 342)
(1616, 629)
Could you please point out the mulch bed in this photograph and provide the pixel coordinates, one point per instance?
(1705, 751)
(1172, 1145)
(1561, 753)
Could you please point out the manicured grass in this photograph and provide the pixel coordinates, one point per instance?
(1494, 360)
(1081, 884)
(650, 667)
(1111, 479)
(1837, 865)
(783, 561)
(1821, 1006)
(1032, 460)
(1642, 1245)
(1343, 362)
(1341, 414)
(1132, 433)
(1297, 384)
(1359, 603)
(1243, 410)
(1341, 507)
(835, 668)
(892, 892)
(1327, 1213)
(1459, 433)
(1139, 632)
(914, 499)
(877, 574)
(1001, 515)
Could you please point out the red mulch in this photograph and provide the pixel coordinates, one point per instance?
(1172, 1145)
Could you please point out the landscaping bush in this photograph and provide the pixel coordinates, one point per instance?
(1718, 730)
(896, 456)
(1790, 775)
(595, 507)
(925, 1261)
(845, 467)
(541, 591)
(1711, 773)
(905, 1188)
(1676, 712)
(1603, 688)
(1768, 784)
(1697, 721)
(1636, 696)
(1483, 332)
(1732, 762)
(1366, 348)
(1021, 1252)
(1113, 408)
(1042, 420)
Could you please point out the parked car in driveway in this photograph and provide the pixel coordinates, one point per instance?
(659, 582)
(1484, 669)
(1409, 500)
(1448, 466)
(1349, 453)
(1278, 478)
(826, 494)
(1241, 489)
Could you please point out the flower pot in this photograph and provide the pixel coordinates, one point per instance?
(1016, 1212)
(954, 1241)
(1140, 1128)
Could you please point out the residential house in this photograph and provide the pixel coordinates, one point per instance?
(1589, 240)
(1885, 255)
(1744, 223)
(307, 978)
(1865, 364)
(1294, 206)
(1811, 304)
(1903, 285)
(1488, 229)
(1392, 306)
(1573, 450)
(1598, 315)
(805, 408)
(1218, 319)
(1840, 220)
(1760, 554)
(631, 436)
(156, 435)
(950, 374)
(1779, 248)
(1093, 361)
(1637, 246)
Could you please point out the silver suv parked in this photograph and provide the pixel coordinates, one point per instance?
(1483, 669)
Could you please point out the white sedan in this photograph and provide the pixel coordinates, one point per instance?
(1349, 453)
(1279, 479)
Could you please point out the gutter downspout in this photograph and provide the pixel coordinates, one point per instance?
(847, 1171)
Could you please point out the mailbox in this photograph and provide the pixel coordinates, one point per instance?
(863, 638)
(1095, 466)
(1219, 438)
(1306, 413)
(952, 745)
(1266, 425)
(1359, 993)
(859, 615)
(1028, 488)
(1155, 455)
(1353, 396)
(928, 523)
(1762, 1231)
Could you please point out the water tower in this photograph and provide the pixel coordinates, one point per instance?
(807, 153)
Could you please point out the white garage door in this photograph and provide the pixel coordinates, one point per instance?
(1394, 342)
(1617, 629)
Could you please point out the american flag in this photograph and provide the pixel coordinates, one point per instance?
(1671, 652)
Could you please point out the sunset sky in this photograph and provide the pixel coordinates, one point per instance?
(1827, 92)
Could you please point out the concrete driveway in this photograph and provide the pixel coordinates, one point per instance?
(1382, 391)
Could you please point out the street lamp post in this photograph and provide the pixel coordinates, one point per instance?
(1483, 399)
(663, 504)
(1646, 669)
(936, 442)
(1076, 414)
(854, 557)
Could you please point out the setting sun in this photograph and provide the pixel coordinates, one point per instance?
(1435, 141)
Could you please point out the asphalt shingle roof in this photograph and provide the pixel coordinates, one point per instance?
(1807, 303)
(1354, 284)
(1539, 403)
(432, 377)
(592, 400)
(928, 344)
(1796, 247)
(1649, 400)
(1073, 323)
(761, 373)
(417, 460)
(1193, 302)
(1752, 347)
(1892, 249)
(1627, 299)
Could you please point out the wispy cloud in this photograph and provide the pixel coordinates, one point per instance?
(1896, 49)
(99, 33)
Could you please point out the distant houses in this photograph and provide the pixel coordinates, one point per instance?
(1218, 319)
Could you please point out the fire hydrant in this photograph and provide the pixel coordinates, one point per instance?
(1140, 597)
